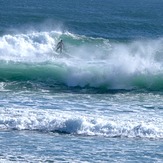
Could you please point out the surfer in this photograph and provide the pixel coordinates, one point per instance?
(60, 46)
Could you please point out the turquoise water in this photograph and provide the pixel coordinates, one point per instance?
(98, 101)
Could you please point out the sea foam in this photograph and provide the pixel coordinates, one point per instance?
(80, 124)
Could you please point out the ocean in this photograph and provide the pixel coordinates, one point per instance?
(100, 100)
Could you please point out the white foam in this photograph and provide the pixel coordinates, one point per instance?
(82, 124)
(32, 47)
(119, 66)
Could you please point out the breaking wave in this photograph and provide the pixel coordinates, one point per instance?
(86, 62)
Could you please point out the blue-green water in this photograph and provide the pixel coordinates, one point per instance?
(98, 101)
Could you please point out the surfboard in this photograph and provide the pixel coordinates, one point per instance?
(61, 55)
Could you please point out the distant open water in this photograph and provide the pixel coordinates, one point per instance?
(98, 101)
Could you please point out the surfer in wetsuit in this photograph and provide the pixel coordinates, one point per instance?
(60, 46)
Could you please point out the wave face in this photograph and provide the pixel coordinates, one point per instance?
(86, 62)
